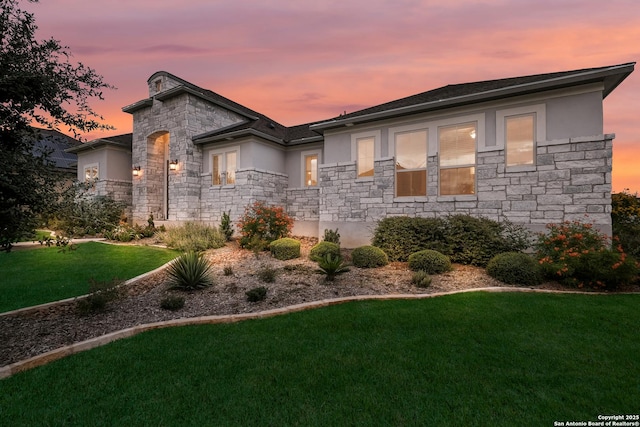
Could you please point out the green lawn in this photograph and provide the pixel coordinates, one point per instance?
(37, 276)
(476, 359)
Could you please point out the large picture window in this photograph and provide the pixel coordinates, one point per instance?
(411, 163)
(223, 168)
(365, 148)
(519, 139)
(458, 159)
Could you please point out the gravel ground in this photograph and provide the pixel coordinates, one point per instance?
(24, 336)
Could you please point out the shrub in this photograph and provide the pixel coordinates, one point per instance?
(192, 237)
(100, 295)
(172, 302)
(401, 236)
(368, 257)
(429, 261)
(285, 248)
(267, 223)
(256, 294)
(576, 254)
(331, 265)
(625, 216)
(319, 251)
(332, 236)
(466, 239)
(267, 274)
(421, 279)
(190, 271)
(228, 270)
(515, 268)
(226, 229)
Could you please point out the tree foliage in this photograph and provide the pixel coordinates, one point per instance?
(39, 85)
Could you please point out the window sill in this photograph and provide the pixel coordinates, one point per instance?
(458, 198)
(411, 199)
(365, 179)
(223, 187)
(523, 168)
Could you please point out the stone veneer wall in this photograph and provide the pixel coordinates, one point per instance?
(571, 179)
(182, 117)
(117, 190)
(251, 185)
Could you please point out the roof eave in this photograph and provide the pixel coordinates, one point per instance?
(228, 136)
(179, 90)
(132, 108)
(306, 140)
(92, 145)
(611, 78)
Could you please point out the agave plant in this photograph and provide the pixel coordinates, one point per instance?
(331, 265)
(190, 271)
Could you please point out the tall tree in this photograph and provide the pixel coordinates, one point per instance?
(38, 85)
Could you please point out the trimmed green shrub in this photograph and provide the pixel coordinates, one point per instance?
(421, 279)
(321, 249)
(429, 261)
(401, 236)
(285, 248)
(515, 268)
(192, 237)
(332, 236)
(369, 257)
(466, 239)
(190, 271)
(256, 294)
(172, 302)
(331, 265)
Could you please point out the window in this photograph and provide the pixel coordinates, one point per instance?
(457, 159)
(365, 147)
(519, 139)
(223, 168)
(158, 84)
(311, 170)
(91, 172)
(411, 163)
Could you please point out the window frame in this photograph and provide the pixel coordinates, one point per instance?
(473, 166)
(426, 161)
(303, 167)
(222, 155)
(506, 140)
(355, 138)
(540, 132)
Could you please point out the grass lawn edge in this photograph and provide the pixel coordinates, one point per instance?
(59, 353)
(40, 307)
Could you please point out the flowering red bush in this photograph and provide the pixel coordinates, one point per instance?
(576, 254)
(262, 224)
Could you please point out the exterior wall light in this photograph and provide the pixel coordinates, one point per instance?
(136, 170)
(173, 164)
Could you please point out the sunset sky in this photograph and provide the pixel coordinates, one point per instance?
(300, 61)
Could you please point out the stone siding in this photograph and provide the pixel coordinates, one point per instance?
(117, 190)
(571, 181)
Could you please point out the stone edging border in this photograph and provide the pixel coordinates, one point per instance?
(59, 353)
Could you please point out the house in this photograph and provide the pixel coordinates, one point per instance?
(529, 149)
(106, 162)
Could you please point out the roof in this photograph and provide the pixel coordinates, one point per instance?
(55, 144)
(449, 96)
(120, 141)
(470, 93)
